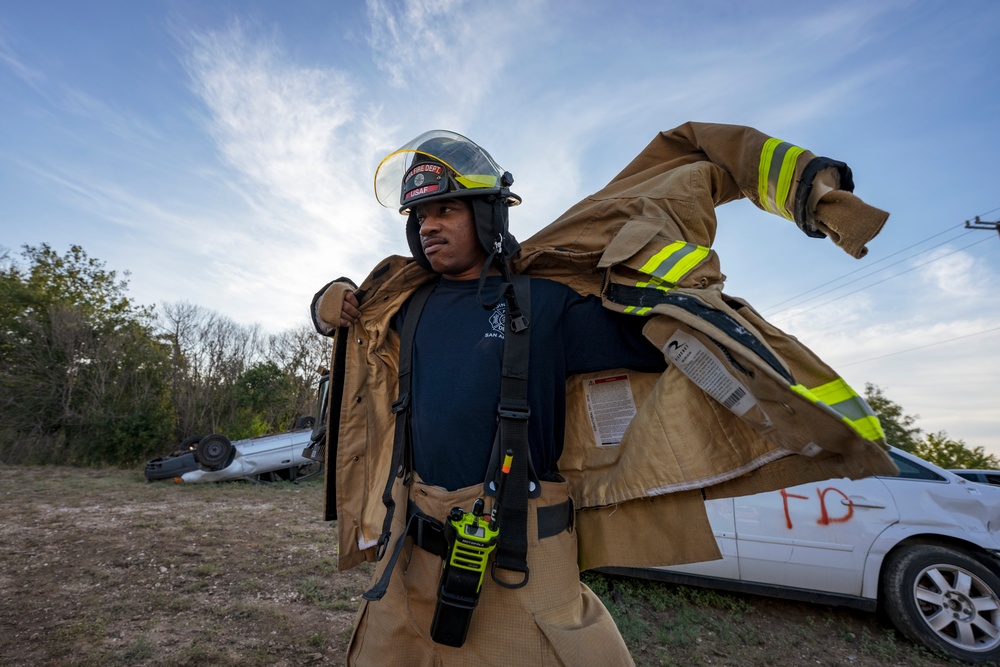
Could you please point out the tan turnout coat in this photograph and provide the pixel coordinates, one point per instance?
(742, 407)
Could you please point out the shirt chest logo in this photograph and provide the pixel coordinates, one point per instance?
(497, 320)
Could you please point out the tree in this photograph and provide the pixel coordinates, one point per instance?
(899, 428)
(233, 379)
(209, 353)
(939, 449)
(82, 379)
(88, 376)
(302, 354)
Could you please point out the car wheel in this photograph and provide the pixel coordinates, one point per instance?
(189, 443)
(945, 600)
(305, 422)
(213, 451)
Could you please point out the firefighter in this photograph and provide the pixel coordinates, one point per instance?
(455, 359)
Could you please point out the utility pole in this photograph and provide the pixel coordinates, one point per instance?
(978, 224)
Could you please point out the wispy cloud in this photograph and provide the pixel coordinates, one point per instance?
(448, 55)
(292, 131)
(954, 274)
(9, 58)
(926, 336)
(940, 358)
(64, 97)
(302, 144)
(288, 207)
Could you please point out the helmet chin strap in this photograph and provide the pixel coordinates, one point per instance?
(495, 257)
(518, 322)
(500, 250)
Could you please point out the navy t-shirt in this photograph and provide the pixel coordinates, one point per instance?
(457, 358)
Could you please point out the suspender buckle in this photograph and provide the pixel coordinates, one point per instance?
(380, 546)
(512, 586)
(510, 411)
(400, 404)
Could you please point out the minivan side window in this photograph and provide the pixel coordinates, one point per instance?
(910, 470)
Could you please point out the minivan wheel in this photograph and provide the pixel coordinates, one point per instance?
(945, 600)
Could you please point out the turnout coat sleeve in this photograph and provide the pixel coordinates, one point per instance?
(742, 407)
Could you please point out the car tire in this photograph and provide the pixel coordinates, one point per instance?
(307, 421)
(189, 443)
(213, 451)
(308, 471)
(945, 600)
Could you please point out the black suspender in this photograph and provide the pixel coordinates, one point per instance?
(402, 457)
(513, 413)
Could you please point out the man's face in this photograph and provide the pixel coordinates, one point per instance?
(448, 238)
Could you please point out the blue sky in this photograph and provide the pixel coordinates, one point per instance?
(223, 152)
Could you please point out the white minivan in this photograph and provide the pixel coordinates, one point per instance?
(922, 546)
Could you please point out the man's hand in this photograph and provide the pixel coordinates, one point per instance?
(335, 305)
(349, 313)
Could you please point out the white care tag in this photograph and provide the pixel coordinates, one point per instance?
(704, 369)
(610, 406)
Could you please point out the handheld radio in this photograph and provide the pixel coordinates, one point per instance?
(471, 539)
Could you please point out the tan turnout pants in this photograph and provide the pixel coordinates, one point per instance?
(553, 620)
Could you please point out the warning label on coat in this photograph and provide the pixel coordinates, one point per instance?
(611, 408)
(705, 369)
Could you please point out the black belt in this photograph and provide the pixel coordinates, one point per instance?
(428, 533)
(555, 519)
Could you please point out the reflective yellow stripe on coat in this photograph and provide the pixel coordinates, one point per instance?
(668, 266)
(776, 171)
(838, 397)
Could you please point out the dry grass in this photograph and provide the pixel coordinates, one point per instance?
(99, 567)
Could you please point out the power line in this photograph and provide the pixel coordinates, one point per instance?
(978, 224)
(967, 225)
(865, 268)
(878, 261)
(913, 268)
(920, 347)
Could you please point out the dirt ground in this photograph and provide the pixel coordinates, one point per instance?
(99, 567)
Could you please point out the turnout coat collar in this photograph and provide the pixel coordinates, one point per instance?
(742, 407)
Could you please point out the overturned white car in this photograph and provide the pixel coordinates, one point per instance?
(267, 458)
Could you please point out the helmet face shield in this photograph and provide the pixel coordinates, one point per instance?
(436, 165)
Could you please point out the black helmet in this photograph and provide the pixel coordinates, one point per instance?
(444, 165)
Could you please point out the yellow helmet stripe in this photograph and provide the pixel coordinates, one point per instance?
(476, 180)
